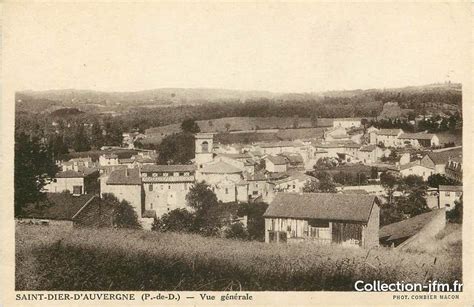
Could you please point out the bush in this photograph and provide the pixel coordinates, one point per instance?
(236, 231)
(178, 220)
(124, 214)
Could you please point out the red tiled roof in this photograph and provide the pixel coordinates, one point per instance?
(323, 206)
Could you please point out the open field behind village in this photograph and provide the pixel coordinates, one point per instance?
(48, 258)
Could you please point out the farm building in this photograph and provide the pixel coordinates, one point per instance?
(65, 210)
(419, 139)
(324, 218)
(413, 231)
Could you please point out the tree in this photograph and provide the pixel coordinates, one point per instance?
(255, 219)
(124, 214)
(177, 220)
(456, 214)
(389, 183)
(177, 148)
(436, 180)
(202, 199)
(34, 168)
(236, 231)
(81, 141)
(324, 184)
(413, 201)
(190, 126)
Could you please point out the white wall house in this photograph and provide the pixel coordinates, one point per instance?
(448, 195)
(275, 164)
(415, 168)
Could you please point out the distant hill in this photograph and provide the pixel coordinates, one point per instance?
(446, 96)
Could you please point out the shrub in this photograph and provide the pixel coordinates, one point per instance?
(236, 231)
(178, 220)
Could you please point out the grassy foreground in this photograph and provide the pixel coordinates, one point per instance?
(50, 258)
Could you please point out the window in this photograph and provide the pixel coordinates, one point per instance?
(256, 185)
(458, 194)
(226, 191)
(205, 146)
(151, 205)
(150, 187)
(447, 193)
(77, 189)
(169, 187)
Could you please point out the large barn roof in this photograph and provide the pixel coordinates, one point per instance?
(323, 206)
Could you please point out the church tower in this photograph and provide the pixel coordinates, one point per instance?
(203, 151)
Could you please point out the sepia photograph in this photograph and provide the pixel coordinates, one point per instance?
(237, 147)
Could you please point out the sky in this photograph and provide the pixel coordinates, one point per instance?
(276, 47)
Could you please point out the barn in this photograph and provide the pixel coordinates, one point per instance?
(323, 218)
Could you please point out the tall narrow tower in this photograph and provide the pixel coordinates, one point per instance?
(203, 151)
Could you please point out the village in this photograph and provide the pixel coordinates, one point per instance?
(278, 173)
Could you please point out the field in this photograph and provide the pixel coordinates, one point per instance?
(49, 258)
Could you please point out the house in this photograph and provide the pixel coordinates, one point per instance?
(448, 195)
(225, 180)
(243, 161)
(387, 137)
(454, 168)
(413, 231)
(109, 159)
(257, 185)
(369, 154)
(294, 161)
(275, 164)
(416, 168)
(166, 186)
(438, 160)
(325, 218)
(77, 164)
(62, 209)
(274, 148)
(291, 181)
(76, 182)
(346, 123)
(125, 184)
(417, 140)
